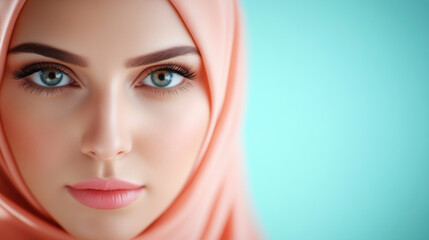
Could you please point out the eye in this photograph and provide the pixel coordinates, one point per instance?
(163, 79)
(50, 78)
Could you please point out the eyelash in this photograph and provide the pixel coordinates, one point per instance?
(32, 87)
(177, 68)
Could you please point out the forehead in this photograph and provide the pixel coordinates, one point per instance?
(97, 28)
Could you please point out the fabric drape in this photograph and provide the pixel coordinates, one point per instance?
(214, 202)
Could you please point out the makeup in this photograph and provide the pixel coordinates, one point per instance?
(30, 77)
(105, 194)
(51, 52)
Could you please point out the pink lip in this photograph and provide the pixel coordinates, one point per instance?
(105, 194)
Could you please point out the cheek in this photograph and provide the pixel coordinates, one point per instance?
(42, 147)
(181, 135)
(36, 139)
(173, 137)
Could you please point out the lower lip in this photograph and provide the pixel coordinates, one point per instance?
(101, 199)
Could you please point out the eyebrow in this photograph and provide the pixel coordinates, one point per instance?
(160, 55)
(71, 58)
(51, 52)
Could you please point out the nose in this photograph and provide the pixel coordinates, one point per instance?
(106, 136)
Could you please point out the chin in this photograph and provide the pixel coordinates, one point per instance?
(106, 229)
(106, 234)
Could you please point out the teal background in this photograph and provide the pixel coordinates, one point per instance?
(337, 121)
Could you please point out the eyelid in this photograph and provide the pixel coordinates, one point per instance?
(188, 72)
(169, 92)
(31, 68)
(33, 87)
(169, 66)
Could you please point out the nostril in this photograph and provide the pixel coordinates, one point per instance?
(102, 156)
(92, 153)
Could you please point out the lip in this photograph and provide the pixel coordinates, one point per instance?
(105, 194)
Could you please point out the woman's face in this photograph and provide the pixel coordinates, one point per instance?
(98, 90)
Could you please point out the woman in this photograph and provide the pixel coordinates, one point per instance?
(121, 119)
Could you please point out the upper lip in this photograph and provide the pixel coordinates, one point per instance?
(105, 184)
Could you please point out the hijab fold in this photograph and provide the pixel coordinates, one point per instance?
(213, 203)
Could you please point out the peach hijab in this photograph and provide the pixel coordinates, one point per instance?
(213, 203)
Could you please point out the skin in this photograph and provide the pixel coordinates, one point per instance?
(109, 124)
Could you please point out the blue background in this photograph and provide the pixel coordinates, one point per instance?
(337, 127)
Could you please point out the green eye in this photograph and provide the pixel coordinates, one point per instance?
(163, 79)
(51, 77)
